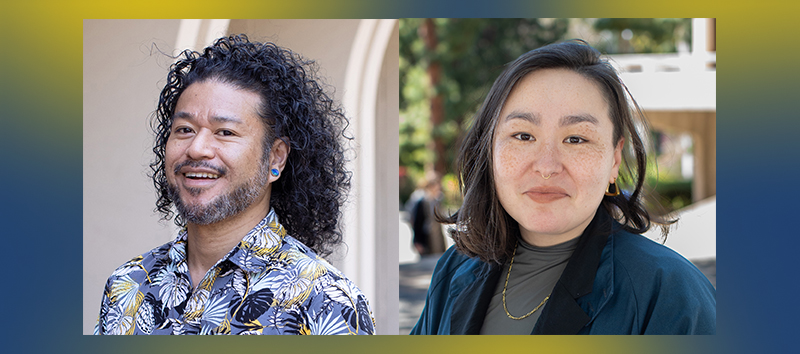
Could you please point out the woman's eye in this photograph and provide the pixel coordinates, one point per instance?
(523, 136)
(183, 130)
(575, 140)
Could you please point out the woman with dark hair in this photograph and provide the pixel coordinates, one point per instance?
(546, 242)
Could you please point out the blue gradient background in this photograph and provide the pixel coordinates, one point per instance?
(41, 209)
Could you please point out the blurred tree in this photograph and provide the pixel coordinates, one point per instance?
(646, 35)
(446, 68)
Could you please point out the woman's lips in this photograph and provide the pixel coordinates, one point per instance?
(546, 194)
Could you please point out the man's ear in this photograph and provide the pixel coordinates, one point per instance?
(277, 157)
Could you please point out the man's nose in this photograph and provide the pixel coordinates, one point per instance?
(202, 146)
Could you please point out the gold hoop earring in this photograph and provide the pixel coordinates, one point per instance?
(612, 190)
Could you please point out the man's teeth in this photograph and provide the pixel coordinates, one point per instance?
(201, 175)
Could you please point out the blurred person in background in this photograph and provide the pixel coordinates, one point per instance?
(546, 242)
(428, 237)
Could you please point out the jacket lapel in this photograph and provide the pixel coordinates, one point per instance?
(563, 314)
(469, 308)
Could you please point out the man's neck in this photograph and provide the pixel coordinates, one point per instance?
(207, 244)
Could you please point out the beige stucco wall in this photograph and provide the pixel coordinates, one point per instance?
(123, 74)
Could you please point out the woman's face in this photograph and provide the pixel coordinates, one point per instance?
(554, 155)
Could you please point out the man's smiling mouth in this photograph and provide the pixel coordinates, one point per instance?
(201, 175)
(199, 170)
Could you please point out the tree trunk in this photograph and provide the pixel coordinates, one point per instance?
(428, 34)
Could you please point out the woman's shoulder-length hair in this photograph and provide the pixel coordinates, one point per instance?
(483, 228)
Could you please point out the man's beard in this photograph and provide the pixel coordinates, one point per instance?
(224, 206)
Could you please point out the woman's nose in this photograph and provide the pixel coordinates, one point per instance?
(201, 146)
(547, 160)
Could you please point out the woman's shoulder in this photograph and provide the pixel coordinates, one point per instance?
(453, 265)
(670, 294)
(454, 260)
(644, 260)
(642, 251)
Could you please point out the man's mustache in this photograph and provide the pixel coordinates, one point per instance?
(195, 164)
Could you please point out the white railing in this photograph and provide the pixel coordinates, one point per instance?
(651, 63)
(680, 81)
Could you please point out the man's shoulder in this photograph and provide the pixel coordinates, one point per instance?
(323, 278)
(137, 267)
(327, 294)
(306, 262)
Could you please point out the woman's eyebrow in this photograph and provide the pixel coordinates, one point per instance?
(575, 119)
(530, 117)
(565, 121)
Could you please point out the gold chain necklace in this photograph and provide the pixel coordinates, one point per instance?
(506, 286)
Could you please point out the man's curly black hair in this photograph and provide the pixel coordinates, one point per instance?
(309, 195)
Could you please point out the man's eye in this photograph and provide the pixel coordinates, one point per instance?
(225, 132)
(183, 130)
(575, 140)
(523, 136)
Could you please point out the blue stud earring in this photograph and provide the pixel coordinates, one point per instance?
(275, 172)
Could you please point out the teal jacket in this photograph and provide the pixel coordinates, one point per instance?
(615, 282)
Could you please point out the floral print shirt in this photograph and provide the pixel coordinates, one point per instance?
(268, 284)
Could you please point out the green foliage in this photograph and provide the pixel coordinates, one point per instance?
(675, 194)
(666, 192)
(649, 35)
(452, 195)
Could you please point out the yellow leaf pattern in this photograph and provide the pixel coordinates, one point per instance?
(270, 283)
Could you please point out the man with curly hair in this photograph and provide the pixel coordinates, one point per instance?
(249, 152)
